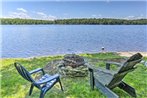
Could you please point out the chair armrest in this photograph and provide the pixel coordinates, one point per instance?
(106, 71)
(114, 63)
(48, 79)
(37, 70)
(93, 69)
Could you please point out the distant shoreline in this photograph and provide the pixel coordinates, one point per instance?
(74, 21)
(127, 54)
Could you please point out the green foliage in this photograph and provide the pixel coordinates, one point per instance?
(89, 21)
(14, 86)
(103, 21)
(102, 56)
(18, 21)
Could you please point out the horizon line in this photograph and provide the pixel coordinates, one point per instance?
(74, 18)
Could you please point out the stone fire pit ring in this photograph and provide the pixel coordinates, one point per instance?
(73, 65)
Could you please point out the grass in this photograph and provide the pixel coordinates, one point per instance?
(14, 86)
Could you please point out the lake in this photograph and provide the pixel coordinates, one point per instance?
(41, 40)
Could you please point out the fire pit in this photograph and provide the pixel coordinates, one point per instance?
(73, 65)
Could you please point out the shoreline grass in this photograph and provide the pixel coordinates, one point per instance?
(121, 53)
(14, 86)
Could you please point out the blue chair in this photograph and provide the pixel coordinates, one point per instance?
(45, 83)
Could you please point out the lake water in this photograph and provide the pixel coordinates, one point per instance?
(40, 40)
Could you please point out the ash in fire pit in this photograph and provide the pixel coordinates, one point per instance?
(73, 65)
(73, 60)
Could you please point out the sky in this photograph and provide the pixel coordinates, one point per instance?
(60, 9)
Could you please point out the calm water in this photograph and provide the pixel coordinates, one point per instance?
(39, 40)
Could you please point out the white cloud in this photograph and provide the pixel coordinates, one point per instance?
(22, 14)
(96, 16)
(22, 10)
(41, 13)
(19, 15)
(44, 16)
(50, 17)
(134, 17)
(131, 17)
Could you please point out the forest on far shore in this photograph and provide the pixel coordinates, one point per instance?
(86, 21)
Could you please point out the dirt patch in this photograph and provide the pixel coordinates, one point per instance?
(128, 54)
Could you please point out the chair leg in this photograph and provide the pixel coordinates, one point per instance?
(42, 94)
(91, 79)
(105, 90)
(127, 88)
(60, 84)
(31, 89)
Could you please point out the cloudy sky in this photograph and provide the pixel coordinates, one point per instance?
(58, 9)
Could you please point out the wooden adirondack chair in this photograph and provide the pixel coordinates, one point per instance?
(106, 80)
(45, 83)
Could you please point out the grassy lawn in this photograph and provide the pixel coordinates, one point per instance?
(14, 86)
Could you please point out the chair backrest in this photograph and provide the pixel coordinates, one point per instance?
(23, 72)
(127, 67)
(131, 62)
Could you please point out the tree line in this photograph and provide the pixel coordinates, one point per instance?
(92, 21)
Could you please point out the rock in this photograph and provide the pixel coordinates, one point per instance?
(73, 72)
(73, 65)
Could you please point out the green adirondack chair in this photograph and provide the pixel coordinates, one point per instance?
(106, 80)
(45, 83)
